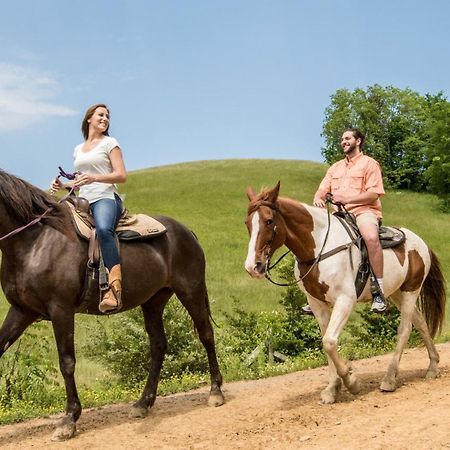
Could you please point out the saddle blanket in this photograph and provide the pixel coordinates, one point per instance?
(131, 226)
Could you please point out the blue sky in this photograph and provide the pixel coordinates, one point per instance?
(190, 80)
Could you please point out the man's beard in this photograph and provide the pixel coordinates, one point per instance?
(349, 149)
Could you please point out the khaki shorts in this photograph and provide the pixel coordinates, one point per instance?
(367, 217)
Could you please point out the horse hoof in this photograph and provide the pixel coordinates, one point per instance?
(432, 374)
(137, 412)
(354, 387)
(216, 399)
(64, 432)
(387, 386)
(327, 398)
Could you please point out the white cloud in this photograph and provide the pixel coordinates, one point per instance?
(26, 97)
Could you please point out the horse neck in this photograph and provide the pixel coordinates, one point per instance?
(27, 237)
(16, 244)
(7, 224)
(304, 225)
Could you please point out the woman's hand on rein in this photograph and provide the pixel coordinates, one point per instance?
(82, 179)
(56, 185)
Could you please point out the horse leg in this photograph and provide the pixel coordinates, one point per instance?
(15, 323)
(62, 318)
(339, 317)
(197, 304)
(153, 318)
(420, 324)
(322, 314)
(407, 302)
(331, 393)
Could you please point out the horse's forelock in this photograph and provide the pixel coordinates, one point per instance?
(259, 200)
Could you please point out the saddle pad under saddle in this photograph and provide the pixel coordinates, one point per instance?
(130, 227)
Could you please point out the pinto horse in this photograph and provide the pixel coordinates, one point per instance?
(411, 271)
(43, 273)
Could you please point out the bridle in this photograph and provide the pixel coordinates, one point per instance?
(312, 262)
(69, 176)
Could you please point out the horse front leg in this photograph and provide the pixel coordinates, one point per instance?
(322, 313)
(62, 317)
(339, 317)
(15, 323)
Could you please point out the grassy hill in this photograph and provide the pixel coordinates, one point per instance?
(210, 198)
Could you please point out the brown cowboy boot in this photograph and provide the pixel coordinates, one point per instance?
(112, 297)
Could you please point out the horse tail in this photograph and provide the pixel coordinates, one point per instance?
(206, 295)
(433, 296)
(209, 309)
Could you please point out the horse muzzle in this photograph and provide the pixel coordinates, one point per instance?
(257, 270)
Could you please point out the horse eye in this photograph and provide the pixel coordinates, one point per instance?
(269, 222)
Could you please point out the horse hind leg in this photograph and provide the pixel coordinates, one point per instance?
(421, 325)
(197, 305)
(406, 302)
(153, 318)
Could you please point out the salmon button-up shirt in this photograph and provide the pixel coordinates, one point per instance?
(352, 177)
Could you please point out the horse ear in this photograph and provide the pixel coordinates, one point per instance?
(250, 193)
(273, 194)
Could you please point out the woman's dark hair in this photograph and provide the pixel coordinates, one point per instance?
(357, 134)
(89, 113)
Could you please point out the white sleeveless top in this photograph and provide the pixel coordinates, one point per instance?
(96, 162)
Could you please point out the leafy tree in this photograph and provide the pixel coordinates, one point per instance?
(394, 122)
(438, 149)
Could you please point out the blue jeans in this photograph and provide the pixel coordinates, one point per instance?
(106, 212)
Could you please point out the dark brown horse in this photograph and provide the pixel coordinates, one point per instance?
(42, 276)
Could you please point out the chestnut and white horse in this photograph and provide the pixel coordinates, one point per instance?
(411, 272)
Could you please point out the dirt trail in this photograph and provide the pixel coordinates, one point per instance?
(276, 413)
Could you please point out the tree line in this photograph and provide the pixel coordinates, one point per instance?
(407, 133)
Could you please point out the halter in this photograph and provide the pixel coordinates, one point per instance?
(69, 176)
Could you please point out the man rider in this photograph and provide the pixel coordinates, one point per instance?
(356, 182)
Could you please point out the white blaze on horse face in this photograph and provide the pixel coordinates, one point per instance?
(250, 261)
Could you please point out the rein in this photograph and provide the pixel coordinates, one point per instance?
(320, 256)
(69, 176)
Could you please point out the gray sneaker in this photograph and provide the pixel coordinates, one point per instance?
(379, 304)
(307, 310)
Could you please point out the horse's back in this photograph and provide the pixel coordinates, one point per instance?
(175, 251)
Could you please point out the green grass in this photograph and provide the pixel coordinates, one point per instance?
(210, 198)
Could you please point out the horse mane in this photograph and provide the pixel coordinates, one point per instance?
(26, 202)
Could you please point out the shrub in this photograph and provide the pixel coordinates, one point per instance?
(378, 331)
(125, 348)
(28, 372)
